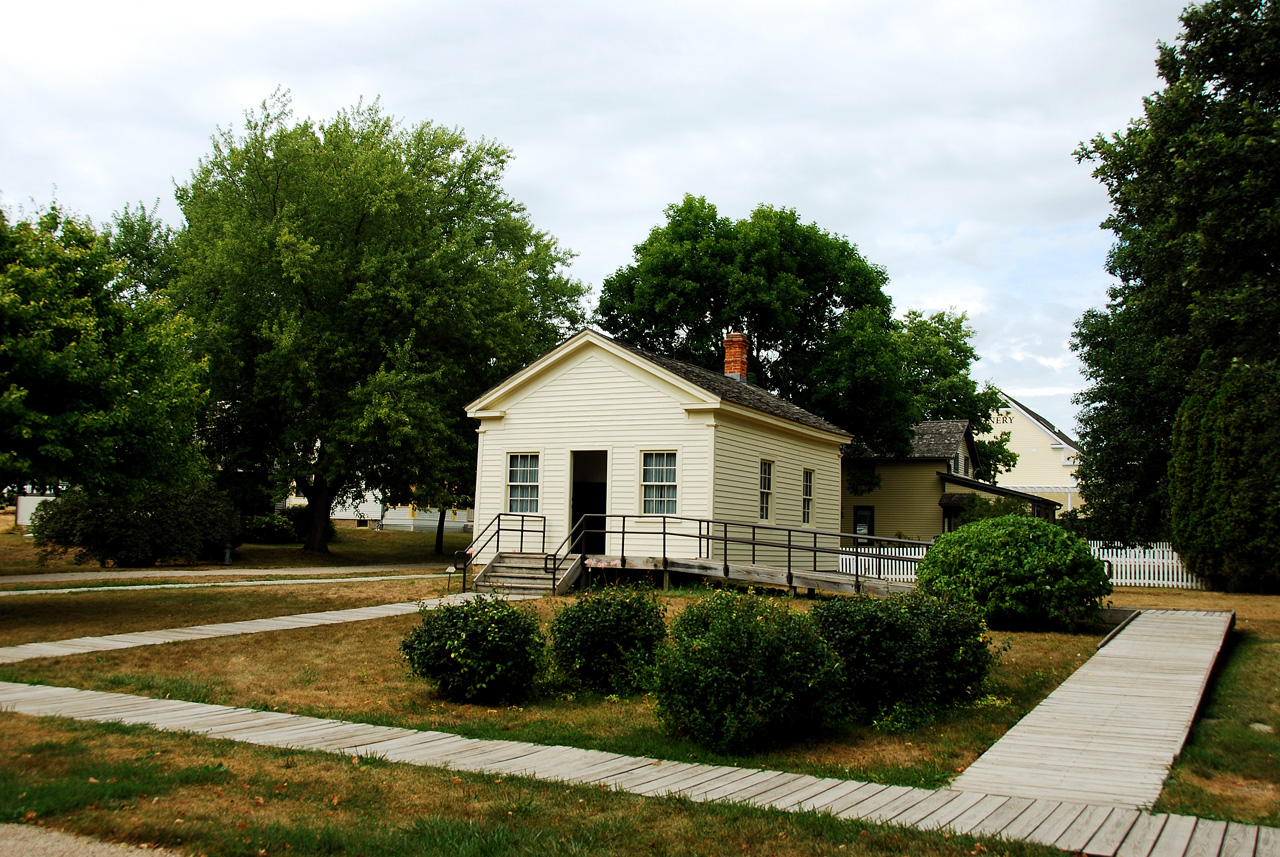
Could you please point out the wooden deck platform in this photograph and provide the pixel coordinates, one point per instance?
(1109, 733)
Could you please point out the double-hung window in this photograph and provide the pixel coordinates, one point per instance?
(522, 483)
(658, 477)
(806, 498)
(766, 490)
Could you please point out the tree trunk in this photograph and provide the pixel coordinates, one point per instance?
(319, 496)
(440, 532)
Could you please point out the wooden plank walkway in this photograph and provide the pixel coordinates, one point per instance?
(1100, 830)
(1109, 733)
(80, 645)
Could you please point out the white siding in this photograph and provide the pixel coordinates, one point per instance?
(740, 446)
(593, 401)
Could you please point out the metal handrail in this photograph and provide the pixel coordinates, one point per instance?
(706, 536)
(495, 523)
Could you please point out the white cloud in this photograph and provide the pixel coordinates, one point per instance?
(935, 135)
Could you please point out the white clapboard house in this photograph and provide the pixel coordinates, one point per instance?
(597, 427)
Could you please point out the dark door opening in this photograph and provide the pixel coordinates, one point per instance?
(590, 497)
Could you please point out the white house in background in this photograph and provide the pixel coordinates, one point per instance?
(599, 427)
(1047, 457)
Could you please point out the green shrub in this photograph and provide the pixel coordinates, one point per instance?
(268, 530)
(607, 640)
(742, 671)
(905, 657)
(1021, 572)
(484, 650)
(152, 523)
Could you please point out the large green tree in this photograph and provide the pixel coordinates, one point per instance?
(821, 327)
(937, 356)
(98, 385)
(1195, 188)
(354, 283)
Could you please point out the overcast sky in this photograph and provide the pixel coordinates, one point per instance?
(937, 135)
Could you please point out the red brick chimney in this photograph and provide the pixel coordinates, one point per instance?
(735, 356)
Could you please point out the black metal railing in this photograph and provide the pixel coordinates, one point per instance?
(794, 542)
(503, 522)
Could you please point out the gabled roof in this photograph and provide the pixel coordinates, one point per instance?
(938, 438)
(1044, 424)
(738, 392)
(711, 385)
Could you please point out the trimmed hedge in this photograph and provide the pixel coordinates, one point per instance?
(155, 522)
(607, 640)
(906, 657)
(484, 650)
(743, 671)
(1020, 572)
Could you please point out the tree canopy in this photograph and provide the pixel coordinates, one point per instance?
(354, 282)
(1195, 187)
(937, 356)
(98, 386)
(820, 324)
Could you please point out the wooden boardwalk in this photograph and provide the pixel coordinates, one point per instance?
(1109, 733)
(1138, 680)
(1105, 831)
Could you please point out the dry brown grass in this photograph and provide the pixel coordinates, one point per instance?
(249, 800)
(354, 672)
(37, 618)
(350, 547)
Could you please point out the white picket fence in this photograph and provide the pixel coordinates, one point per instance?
(1158, 566)
(896, 563)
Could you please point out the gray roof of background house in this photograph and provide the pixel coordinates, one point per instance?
(737, 392)
(937, 438)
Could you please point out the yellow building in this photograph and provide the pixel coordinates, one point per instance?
(920, 495)
(1047, 457)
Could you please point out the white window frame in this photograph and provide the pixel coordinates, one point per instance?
(659, 497)
(766, 489)
(518, 492)
(806, 497)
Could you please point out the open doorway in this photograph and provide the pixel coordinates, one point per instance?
(590, 496)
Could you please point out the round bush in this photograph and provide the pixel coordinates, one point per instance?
(742, 671)
(607, 639)
(905, 657)
(268, 530)
(1021, 572)
(485, 650)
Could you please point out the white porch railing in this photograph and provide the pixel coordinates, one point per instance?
(1157, 566)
